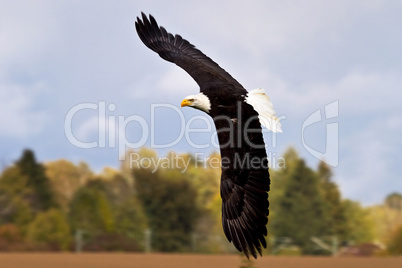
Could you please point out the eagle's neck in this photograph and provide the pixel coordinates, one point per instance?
(202, 102)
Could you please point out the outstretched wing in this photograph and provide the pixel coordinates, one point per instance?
(245, 181)
(175, 49)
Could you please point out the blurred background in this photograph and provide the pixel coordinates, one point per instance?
(337, 197)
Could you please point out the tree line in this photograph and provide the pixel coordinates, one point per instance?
(176, 208)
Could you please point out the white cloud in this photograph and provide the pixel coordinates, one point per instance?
(17, 115)
(369, 93)
(28, 30)
(176, 80)
(272, 26)
(358, 93)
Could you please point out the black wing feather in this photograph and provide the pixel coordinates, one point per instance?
(175, 49)
(244, 185)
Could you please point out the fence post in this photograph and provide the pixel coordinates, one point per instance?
(334, 245)
(148, 240)
(78, 240)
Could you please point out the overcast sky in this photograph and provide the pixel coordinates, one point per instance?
(331, 68)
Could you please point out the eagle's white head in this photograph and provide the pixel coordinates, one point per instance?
(199, 101)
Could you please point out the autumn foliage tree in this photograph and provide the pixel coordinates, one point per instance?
(65, 179)
(394, 245)
(387, 218)
(51, 229)
(43, 206)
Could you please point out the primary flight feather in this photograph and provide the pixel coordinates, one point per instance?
(237, 116)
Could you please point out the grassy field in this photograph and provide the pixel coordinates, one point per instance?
(100, 260)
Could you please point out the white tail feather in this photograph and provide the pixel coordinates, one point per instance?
(263, 106)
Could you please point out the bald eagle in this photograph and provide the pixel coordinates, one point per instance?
(238, 116)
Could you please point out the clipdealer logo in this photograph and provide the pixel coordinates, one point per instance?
(331, 153)
(112, 130)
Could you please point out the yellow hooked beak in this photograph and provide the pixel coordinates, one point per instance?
(186, 102)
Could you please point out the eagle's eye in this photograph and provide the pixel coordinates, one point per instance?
(192, 100)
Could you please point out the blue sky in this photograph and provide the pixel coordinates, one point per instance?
(57, 55)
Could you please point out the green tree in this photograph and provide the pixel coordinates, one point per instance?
(131, 220)
(50, 228)
(170, 206)
(336, 220)
(14, 182)
(14, 198)
(42, 197)
(129, 214)
(279, 180)
(91, 211)
(300, 211)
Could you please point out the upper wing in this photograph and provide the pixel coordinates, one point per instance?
(175, 49)
(245, 181)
